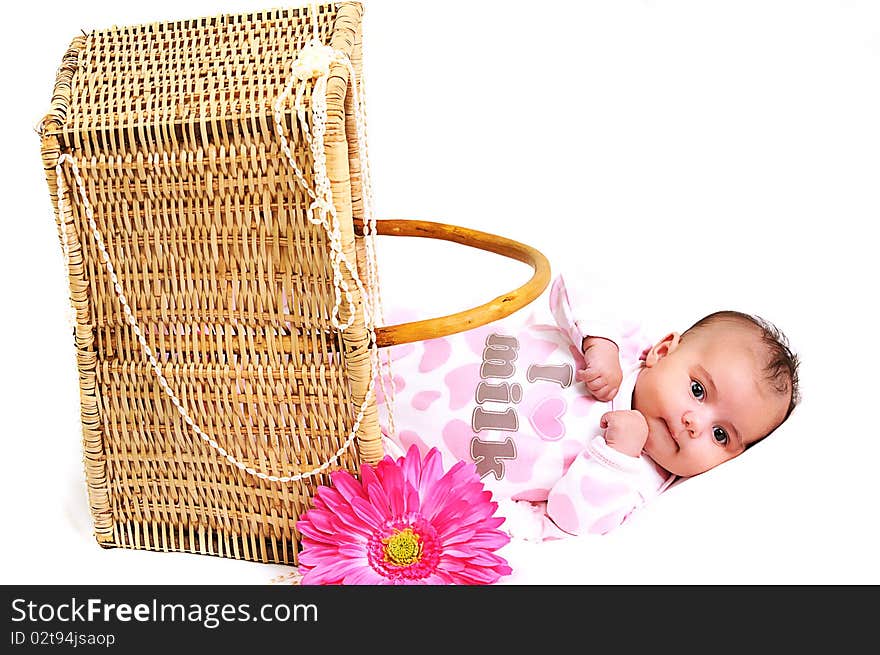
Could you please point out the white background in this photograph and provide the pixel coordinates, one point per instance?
(692, 155)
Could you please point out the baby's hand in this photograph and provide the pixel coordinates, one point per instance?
(626, 431)
(602, 374)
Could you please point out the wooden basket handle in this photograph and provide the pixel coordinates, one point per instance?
(393, 335)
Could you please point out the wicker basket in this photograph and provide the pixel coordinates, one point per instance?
(189, 241)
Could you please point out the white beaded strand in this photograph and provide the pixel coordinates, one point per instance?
(314, 59)
(148, 352)
(313, 62)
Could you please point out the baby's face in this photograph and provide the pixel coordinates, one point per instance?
(705, 399)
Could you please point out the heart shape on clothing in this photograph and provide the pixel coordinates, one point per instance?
(546, 418)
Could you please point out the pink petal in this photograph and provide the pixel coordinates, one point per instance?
(352, 551)
(480, 558)
(345, 520)
(333, 572)
(375, 491)
(433, 501)
(412, 466)
(392, 481)
(364, 575)
(466, 516)
(367, 513)
(459, 536)
(331, 498)
(451, 564)
(345, 483)
(490, 540)
(432, 471)
(320, 520)
(411, 497)
(475, 575)
(309, 529)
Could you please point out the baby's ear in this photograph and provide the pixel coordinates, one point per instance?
(666, 346)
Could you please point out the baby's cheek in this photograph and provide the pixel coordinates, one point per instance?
(655, 450)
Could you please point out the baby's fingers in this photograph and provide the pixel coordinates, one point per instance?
(606, 393)
(587, 375)
(599, 384)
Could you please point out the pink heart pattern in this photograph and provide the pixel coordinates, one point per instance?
(461, 383)
(457, 437)
(423, 399)
(437, 351)
(546, 418)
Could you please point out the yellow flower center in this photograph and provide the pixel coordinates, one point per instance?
(402, 548)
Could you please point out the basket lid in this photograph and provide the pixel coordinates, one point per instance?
(189, 81)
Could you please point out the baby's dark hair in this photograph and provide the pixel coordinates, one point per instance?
(782, 365)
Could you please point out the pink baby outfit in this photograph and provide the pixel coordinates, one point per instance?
(504, 396)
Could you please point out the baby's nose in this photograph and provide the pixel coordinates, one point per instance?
(691, 423)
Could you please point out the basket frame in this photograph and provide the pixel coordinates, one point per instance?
(119, 521)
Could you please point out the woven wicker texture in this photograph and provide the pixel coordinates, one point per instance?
(171, 126)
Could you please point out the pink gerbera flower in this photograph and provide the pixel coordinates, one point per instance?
(404, 522)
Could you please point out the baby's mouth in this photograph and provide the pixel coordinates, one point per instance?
(671, 435)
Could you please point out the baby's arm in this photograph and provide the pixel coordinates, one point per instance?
(605, 342)
(599, 491)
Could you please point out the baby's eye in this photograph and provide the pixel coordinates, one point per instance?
(720, 435)
(697, 390)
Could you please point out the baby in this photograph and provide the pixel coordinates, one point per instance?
(574, 423)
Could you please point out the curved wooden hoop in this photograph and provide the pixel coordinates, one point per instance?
(504, 305)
